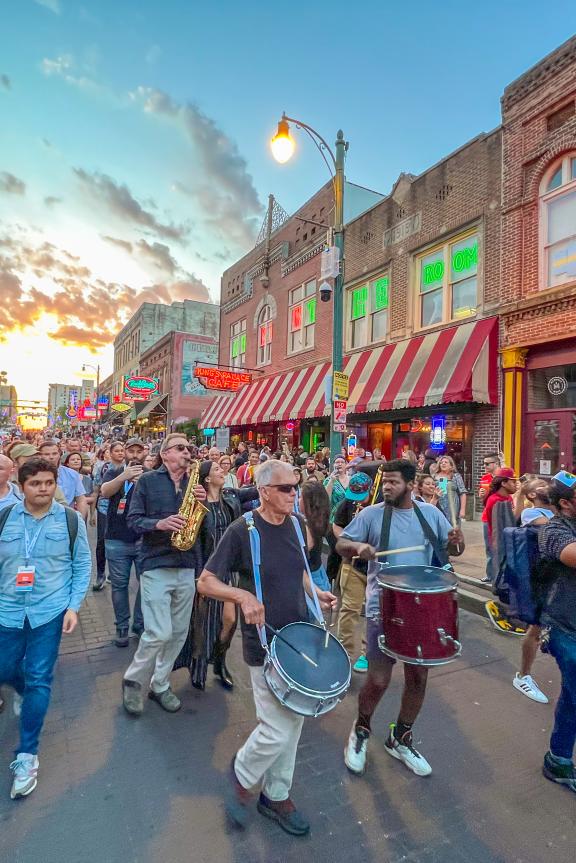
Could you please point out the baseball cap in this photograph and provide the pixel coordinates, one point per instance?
(23, 449)
(134, 441)
(358, 487)
(506, 473)
(566, 478)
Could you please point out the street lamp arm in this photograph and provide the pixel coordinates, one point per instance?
(316, 137)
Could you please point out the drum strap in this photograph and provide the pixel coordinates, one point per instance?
(440, 552)
(254, 538)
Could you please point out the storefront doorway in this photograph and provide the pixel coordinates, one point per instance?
(551, 442)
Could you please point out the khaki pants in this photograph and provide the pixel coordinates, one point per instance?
(352, 590)
(269, 754)
(167, 596)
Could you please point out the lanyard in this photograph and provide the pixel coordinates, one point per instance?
(30, 542)
(127, 487)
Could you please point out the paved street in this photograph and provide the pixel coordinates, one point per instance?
(117, 790)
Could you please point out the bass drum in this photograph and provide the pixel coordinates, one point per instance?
(296, 683)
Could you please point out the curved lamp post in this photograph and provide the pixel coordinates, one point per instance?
(283, 146)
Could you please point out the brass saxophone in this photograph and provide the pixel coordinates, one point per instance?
(192, 510)
(376, 485)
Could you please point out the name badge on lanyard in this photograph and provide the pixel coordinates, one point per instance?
(122, 502)
(25, 574)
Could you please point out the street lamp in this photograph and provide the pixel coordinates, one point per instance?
(282, 145)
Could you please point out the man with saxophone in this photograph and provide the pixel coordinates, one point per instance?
(167, 564)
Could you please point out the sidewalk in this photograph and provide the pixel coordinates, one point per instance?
(114, 789)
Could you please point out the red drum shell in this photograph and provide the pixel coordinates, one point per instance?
(411, 622)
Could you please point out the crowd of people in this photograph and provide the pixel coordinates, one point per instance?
(182, 519)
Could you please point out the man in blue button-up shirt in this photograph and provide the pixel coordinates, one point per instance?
(42, 585)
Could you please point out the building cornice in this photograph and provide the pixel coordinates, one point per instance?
(305, 255)
(540, 304)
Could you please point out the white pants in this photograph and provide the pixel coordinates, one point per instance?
(167, 597)
(269, 754)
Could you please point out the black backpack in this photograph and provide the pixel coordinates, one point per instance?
(71, 523)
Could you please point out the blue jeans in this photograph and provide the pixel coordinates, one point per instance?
(563, 649)
(120, 556)
(27, 659)
(488, 548)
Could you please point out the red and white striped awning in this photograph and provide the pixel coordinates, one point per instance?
(297, 394)
(455, 364)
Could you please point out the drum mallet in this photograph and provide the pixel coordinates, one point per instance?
(294, 648)
(396, 551)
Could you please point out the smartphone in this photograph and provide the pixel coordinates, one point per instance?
(442, 484)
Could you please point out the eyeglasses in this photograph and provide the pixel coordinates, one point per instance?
(179, 446)
(285, 487)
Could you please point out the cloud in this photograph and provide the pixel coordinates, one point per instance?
(11, 185)
(226, 195)
(156, 253)
(64, 67)
(5, 82)
(116, 241)
(51, 201)
(53, 5)
(119, 200)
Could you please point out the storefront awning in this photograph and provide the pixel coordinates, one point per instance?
(292, 395)
(456, 364)
(151, 406)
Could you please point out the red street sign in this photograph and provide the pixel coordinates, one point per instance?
(340, 412)
(222, 379)
(340, 405)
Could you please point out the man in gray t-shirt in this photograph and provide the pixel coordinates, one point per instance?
(362, 538)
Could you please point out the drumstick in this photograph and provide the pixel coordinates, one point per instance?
(285, 641)
(328, 630)
(397, 550)
(452, 506)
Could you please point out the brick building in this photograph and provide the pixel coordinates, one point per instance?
(422, 270)
(538, 281)
(273, 324)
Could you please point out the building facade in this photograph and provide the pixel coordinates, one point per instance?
(63, 396)
(8, 404)
(538, 280)
(150, 323)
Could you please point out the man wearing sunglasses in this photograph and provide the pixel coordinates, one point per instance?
(167, 576)
(268, 756)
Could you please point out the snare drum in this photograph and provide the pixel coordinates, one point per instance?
(295, 682)
(419, 614)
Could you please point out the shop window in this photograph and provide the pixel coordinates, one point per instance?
(552, 388)
(238, 344)
(367, 312)
(264, 330)
(448, 282)
(558, 211)
(302, 317)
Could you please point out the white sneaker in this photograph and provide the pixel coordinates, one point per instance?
(355, 751)
(528, 687)
(405, 752)
(17, 703)
(25, 769)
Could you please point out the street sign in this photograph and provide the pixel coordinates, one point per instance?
(222, 438)
(340, 385)
(340, 427)
(340, 412)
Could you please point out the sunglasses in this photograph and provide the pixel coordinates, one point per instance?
(285, 487)
(179, 446)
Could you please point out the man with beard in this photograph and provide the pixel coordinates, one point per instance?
(362, 538)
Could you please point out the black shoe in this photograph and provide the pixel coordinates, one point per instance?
(562, 774)
(137, 631)
(99, 584)
(285, 814)
(121, 639)
(219, 664)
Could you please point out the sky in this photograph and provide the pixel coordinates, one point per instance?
(134, 139)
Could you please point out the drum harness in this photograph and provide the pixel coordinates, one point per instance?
(313, 604)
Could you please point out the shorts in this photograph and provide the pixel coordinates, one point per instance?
(373, 652)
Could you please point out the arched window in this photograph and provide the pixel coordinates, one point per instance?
(264, 330)
(558, 221)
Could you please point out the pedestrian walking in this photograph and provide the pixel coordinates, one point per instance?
(45, 565)
(166, 575)
(69, 481)
(491, 464)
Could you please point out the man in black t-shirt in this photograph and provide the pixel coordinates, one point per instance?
(269, 754)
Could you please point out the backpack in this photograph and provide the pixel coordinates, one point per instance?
(521, 571)
(71, 524)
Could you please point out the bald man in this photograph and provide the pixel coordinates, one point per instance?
(9, 491)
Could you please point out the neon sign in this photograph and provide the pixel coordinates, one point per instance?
(221, 379)
(139, 387)
(438, 432)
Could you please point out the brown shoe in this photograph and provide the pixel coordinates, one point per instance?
(285, 814)
(238, 800)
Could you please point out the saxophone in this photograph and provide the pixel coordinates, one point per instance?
(193, 511)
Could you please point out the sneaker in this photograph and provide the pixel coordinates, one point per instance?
(285, 814)
(237, 800)
(404, 751)
(167, 700)
(17, 704)
(529, 688)
(132, 697)
(25, 769)
(500, 621)
(486, 580)
(355, 751)
(361, 665)
(121, 639)
(562, 774)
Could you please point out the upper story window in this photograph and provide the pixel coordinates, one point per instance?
(558, 221)
(367, 312)
(302, 317)
(264, 330)
(238, 344)
(447, 279)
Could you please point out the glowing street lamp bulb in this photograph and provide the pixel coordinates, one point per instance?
(282, 143)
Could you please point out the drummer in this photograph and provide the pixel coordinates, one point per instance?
(362, 538)
(268, 757)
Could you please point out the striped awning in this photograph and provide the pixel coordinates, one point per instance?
(455, 364)
(296, 394)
